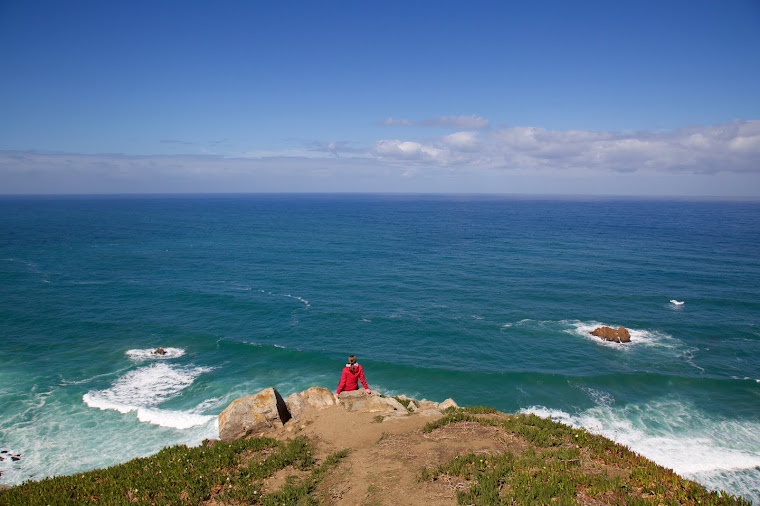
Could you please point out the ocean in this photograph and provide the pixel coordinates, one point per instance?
(485, 299)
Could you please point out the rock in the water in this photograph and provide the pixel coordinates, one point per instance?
(358, 400)
(448, 403)
(302, 403)
(159, 351)
(253, 413)
(620, 335)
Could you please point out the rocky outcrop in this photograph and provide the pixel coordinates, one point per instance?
(159, 351)
(359, 400)
(448, 403)
(252, 414)
(302, 404)
(620, 335)
(255, 414)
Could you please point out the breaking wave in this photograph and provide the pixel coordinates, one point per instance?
(143, 389)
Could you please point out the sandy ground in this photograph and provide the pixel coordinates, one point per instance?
(386, 458)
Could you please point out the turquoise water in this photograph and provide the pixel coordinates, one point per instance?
(486, 300)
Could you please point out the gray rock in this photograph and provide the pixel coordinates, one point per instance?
(251, 414)
(301, 404)
(448, 403)
(428, 412)
(358, 400)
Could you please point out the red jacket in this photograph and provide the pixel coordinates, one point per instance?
(350, 380)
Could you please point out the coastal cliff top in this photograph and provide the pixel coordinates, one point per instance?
(462, 456)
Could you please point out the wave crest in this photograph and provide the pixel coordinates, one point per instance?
(142, 389)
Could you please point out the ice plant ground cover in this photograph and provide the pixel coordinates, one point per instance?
(557, 465)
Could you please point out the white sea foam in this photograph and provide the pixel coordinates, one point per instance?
(141, 390)
(678, 436)
(301, 299)
(600, 397)
(640, 337)
(65, 382)
(174, 419)
(745, 378)
(139, 355)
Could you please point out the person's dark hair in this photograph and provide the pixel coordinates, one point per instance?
(352, 361)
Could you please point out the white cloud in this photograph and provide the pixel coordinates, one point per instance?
(397, 122)
(471, 122)
(693, 160)
(732, 147)
(462, 140)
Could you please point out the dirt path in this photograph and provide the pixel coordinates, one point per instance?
(386, 458)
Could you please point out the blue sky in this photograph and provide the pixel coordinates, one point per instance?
(653, 98)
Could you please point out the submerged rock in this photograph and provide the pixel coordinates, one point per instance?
(254, 413)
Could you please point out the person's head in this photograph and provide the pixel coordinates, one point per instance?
(351, 362)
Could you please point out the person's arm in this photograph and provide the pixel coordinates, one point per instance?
(364, 382)
(342, 383)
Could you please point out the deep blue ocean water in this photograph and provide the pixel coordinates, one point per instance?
(488, 300)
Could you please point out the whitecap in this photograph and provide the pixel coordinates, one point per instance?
(599, 397)
(141, 390)
(149, 353)
(301, 299)
(642, 337)
(173, 419)
(673, 434)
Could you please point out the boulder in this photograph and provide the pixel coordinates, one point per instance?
(359, 400)
(620, 335)
(254, 413)
(302, 403)
(428, 408)
(448, 403)
(159, 351)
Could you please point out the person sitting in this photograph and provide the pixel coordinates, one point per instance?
(353, 373)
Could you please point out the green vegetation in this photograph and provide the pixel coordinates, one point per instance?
(404, 402)
(545, 463)
(228, 472)
(563, 466)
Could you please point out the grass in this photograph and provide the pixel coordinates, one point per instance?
(229, 472)
(562, 466)
(404, 402)
(556, 464)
